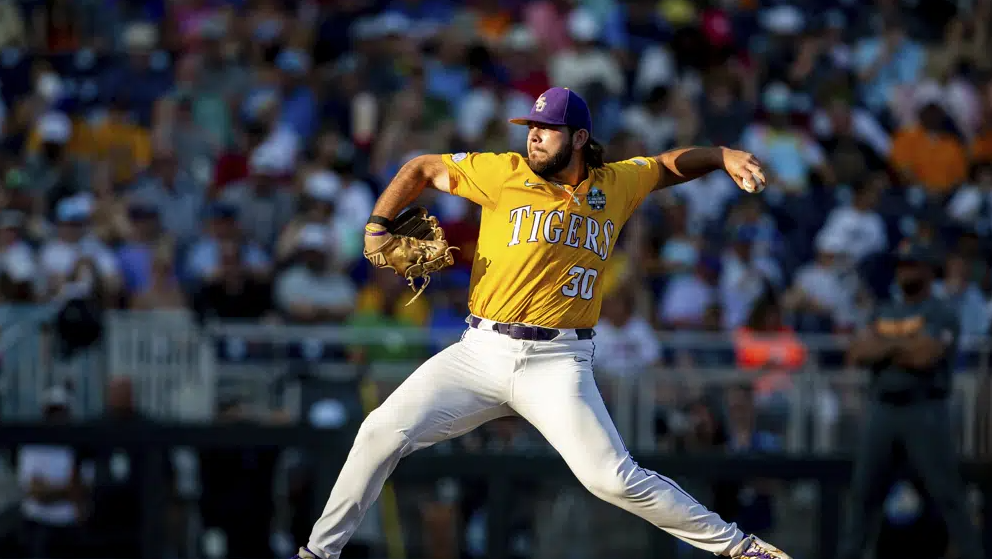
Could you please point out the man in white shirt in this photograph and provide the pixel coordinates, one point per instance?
(858, 226)
(75, 241)
(48, 477)
(823, 291)
(309, 291)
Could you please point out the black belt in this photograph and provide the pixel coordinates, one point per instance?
(530, 333)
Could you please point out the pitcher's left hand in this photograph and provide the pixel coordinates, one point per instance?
(745, 169)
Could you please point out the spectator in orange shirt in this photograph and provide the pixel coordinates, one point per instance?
(770, 349)
(928, 155)
(493, 20)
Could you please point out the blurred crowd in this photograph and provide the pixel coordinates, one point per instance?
(220, 156)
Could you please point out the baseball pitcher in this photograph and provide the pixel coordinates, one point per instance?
(550, 221)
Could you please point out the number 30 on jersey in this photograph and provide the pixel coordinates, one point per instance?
(580, 282)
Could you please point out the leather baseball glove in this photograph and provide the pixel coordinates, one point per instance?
(414, 248)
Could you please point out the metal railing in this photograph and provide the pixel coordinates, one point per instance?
(169, 362)
(180, 372)
(31, 361)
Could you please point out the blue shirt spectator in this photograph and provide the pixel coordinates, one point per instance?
(885, 62)
(299, 104)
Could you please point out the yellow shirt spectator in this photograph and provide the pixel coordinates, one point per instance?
(126, 146)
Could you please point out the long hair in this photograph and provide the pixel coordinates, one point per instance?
(592, 152)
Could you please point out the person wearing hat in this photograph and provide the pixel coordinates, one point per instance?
(75, 243)
(55, 163)
(317, 206)
(822, 294)
(312, 290)
(909, 348)
(264, 206)
(549, 223)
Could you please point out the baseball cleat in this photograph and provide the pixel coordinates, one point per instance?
(754, 547)
(305, 553)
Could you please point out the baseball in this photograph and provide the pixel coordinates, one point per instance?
(753, 185)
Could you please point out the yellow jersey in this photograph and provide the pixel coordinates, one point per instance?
(543, 245)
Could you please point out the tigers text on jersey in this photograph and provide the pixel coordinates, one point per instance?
(543, 245)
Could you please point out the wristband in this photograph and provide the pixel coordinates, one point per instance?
(369, 232)
(379, 220)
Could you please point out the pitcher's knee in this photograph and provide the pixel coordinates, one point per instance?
(609, 485)
(381, 434)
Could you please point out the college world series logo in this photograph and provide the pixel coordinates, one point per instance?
(596, 199)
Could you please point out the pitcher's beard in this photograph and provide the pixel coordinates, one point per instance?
(554, 165)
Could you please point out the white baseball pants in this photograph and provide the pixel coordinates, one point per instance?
(485, 376)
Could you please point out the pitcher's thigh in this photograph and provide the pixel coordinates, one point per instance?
(566, 407)
(446, 392)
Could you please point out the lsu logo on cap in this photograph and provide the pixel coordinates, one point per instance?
(540, 104)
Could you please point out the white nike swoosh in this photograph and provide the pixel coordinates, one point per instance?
(528, 183)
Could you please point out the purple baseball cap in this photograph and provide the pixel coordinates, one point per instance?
(559, 106)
